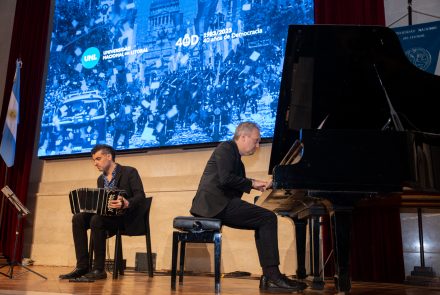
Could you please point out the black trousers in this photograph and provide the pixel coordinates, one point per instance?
(101, 227)
(243, 215)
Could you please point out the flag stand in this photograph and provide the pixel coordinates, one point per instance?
(21, 212)
(9, 136)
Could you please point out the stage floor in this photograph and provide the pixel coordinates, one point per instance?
(139, 283)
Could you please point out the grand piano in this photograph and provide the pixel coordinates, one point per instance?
(356, 121)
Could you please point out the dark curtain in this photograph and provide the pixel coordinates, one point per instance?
(353, 12)
(28, 44)
(376, 246)
(377, 250)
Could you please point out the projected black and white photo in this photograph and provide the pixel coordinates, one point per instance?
(139, 74)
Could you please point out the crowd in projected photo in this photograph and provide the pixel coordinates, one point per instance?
(146, 74)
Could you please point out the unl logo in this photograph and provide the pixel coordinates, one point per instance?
(90, 58)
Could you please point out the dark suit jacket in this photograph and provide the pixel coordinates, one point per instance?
(128, 179)
(224, 178)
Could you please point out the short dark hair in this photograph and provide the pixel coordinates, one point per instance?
(105, 148)
(245, 128)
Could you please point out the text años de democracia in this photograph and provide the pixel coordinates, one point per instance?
(224, 34)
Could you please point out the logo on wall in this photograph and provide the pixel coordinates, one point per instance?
(420, 57)
(90, 57)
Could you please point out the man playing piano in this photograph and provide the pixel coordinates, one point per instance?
(114, 176)
(219, 196)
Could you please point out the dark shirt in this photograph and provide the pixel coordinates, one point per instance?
(110, 184)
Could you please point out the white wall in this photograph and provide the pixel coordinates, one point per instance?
(423, 11)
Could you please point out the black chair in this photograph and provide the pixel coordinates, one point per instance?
(118, 267)
(195, 230)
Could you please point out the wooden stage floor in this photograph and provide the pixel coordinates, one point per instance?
(139, 283)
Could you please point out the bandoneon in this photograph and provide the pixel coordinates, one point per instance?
(95, 200)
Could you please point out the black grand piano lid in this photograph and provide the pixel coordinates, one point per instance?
(331, 73)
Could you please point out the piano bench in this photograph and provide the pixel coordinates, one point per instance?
(195, 230)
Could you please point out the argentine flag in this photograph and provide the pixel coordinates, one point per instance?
(7, 147)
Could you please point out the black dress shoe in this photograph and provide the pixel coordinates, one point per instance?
(296, 282)
(96, 274)
(281, 284)
(76, 273)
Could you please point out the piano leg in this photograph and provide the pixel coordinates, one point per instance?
(340, 221)
(314, 230)
(300, 233)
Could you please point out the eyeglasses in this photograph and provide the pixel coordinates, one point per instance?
(255, 140)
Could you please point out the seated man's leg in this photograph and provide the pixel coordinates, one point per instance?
(100, 226)
(80, 225)
(243, 215)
